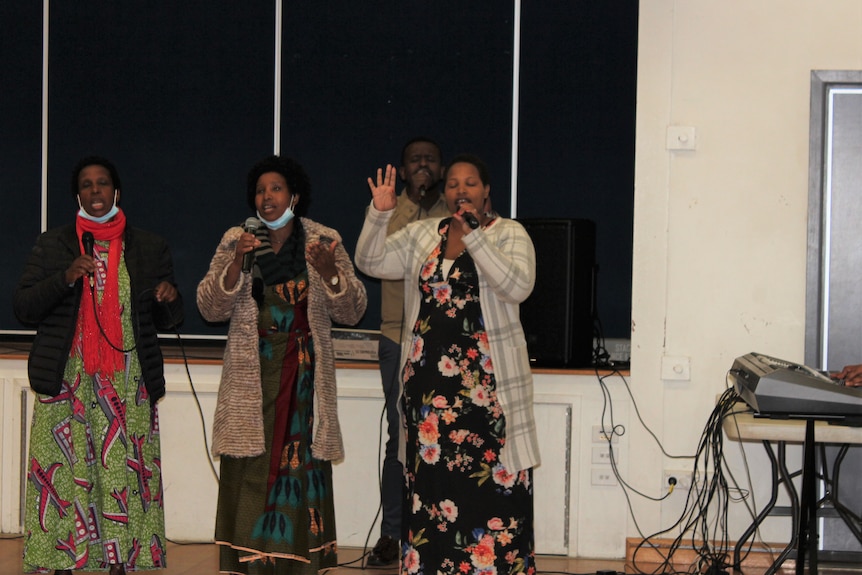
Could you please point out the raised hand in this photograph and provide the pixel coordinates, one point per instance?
(321, 256)
(383, 193)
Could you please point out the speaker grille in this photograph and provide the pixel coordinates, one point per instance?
(558, 316)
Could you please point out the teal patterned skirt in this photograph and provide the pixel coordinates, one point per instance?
(275, 512)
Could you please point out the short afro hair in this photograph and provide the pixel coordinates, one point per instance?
(293, 173)
(481, 167)
(95, 161)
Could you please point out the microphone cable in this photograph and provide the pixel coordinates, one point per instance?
(197, 402)
(136, 319)
(175, 330)
(380, 455)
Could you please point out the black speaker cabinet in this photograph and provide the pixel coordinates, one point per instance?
(558, 316)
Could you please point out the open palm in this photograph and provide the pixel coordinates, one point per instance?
(383, 194)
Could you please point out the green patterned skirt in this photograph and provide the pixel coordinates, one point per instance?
(94, 491)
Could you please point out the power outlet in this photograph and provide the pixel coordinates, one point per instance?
(601, 454)
(600, 435)
(682, 477)
(604, 476)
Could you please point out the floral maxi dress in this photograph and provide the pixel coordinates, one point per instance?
(465, 512)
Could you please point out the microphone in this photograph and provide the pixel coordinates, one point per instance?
(87, 240)
(251, 225)
(471, 220)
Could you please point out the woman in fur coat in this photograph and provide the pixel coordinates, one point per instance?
(281, 285)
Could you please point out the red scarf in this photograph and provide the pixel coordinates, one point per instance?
(99, 356)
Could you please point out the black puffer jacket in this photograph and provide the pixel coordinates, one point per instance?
(44, 300)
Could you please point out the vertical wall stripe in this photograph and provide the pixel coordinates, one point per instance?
(276, 128)
(44, 222)
(516, 84)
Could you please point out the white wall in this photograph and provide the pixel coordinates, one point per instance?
(573, 517)
(720, 232)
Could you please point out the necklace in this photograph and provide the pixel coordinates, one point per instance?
(275, 242)
(492, 216)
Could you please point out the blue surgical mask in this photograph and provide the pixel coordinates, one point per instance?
(101, 219)
(282, 220)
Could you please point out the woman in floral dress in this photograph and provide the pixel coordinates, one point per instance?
(470, 441)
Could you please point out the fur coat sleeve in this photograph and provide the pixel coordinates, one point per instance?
(238, 421)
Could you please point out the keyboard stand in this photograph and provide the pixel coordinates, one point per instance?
(804, 539)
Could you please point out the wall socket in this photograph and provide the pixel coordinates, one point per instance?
(683, 479)
(601, 454)
(600, 435)
(603, 476)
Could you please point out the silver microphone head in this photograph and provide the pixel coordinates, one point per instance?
(251, 225)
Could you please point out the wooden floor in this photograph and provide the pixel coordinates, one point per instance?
(202, 559)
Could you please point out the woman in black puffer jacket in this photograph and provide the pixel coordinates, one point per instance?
(97, 291)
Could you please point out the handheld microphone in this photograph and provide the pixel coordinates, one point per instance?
(251, 225)
(471, 220)
(87, 240)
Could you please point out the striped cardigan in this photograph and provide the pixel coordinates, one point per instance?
(238, 421)
(506, 263)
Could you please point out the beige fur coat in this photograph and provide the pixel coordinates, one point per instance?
(238, 423)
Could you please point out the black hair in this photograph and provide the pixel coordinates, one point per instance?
(95, 161)
(293, 173)
(416, 140)
(484, 174)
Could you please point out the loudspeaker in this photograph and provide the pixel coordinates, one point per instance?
(558, 316)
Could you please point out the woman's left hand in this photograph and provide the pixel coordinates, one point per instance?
(321, 256)
(165, 292)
